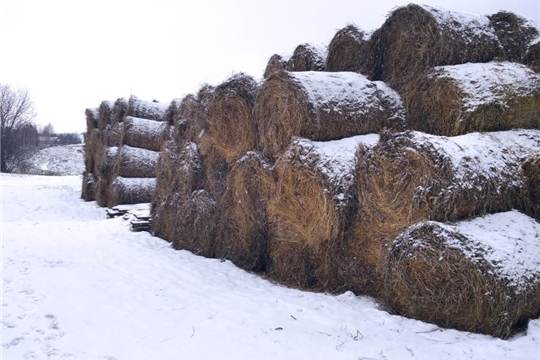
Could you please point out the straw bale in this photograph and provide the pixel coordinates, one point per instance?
(532, 57)
(143, 133)
(230, 123)
(348, 50)
(131, 191)
(415, 38)
(92, 116)
(531, 169)
(191, 121)
(322, 106)
(118, 111)
(151, 110)
(105, 109)
(91, 148)
(277, 62)
(135, 163)
(242, 233)
(410, 177)
(454, 100)
(310, 211)
(196, 224)
(106, 159)
(308, 57)
(515, 34)
(173, 108)
(88, 186)
(481, 275)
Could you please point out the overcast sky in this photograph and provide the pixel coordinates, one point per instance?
(73, 54)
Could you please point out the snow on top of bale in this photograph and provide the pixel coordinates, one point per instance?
(507, 241)
(147, 126)
(484, 83)
(136, 184)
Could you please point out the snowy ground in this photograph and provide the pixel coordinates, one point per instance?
(78, 286)
(55, 160)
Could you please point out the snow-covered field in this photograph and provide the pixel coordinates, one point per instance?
(78, 286)
(55, 160)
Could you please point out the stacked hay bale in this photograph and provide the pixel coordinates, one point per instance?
(412, 176)
(306, 57)
(348, 50)
(89, 179)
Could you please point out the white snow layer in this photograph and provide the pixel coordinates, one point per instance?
(79, 286)
(55, 160)
(509, 242)
(134, 185)
(146, 126)
(493, 82)
(139, 157)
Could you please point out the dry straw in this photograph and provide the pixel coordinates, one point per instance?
(308, 57)
(348, 50)
(130, 191)
(242, 233)
(454, 100)
(105, 109)
(432, 276)
(106, 159)
(322, 106)
(88, 187)
(531, 169)
(409, 177)
(143, 133)
(118, 111)
(276, 63)
(231, 129)
(532, 57)
(135, 163)
(92, 116)
(515, 34)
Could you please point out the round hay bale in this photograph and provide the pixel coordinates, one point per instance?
(454, 100)
(105, 109)
(277, 62)
(532, 57)
(173, 108)
(131, 191)
(92, 116)
(243, 225)
(196, 224)
(310, 211)
(118, 111)
(143, 133)
(347, 50)
(531, 169)
(191, 121)
(151, 110)
(480, 275)
(88, 186)
(515, 34)
(135, 163)
(230, 123)
(322, 106)
(106, 159)
(91, 149)
(308, 57)
(410, 177)
(415, 38)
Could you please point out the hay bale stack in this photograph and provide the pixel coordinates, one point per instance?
(105, 109)
(348, 50)
(243, 225)
(322, 106)
(191, 121)
(310, 211)
(531, 169)
(454, 100)
(130, 191)
(481, 275)
(308, 57)
(172, 110)
(135, 163)
(88, 186)
(92, 116)
(143, 133)
(515, 34)
(93, 142)
(410, 177)
(415, 38)
(196, 224)
(118, 111)
(105, 166)
(231, 129)
(277, 62)
(151, 110)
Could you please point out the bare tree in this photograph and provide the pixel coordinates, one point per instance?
(16, 112)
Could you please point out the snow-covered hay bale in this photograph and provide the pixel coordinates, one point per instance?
(92, 117)
(135, 163)
(531, 169)
(481, 275)
(532, 57)
(347, 50)
(118, 111)
(243, 226)
(454, 100)
(143, 133)
(196, 224)
(322, 106)
(88, 186)
(311, 209)
(151, 110)
(414, 38)
(231, 127)
(277, 62)
(131, 191)
(191, 120)
(105, 109)
(410, 177)
(515, 34)
(308, 57)
(172, 111)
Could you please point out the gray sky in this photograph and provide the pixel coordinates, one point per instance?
(73, 54)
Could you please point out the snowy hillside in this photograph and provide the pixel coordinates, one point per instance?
(79, 286)
(56, 160)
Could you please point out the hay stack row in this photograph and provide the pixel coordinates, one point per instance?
(123, 140)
